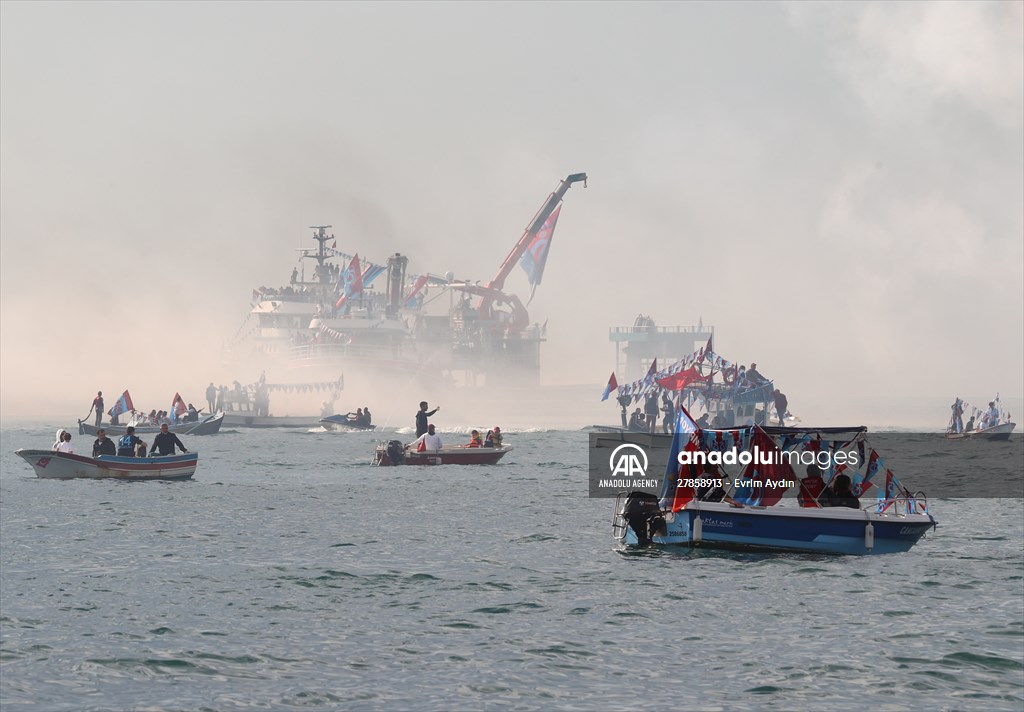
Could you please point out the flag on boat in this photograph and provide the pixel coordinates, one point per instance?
(416, 287)
(612, 385)
(684, 437)
(371, 273)
(178, 407)
(123, 405)
(351, 281)
(651, 372)
(681, 380)
(536, 255)
(764, 478)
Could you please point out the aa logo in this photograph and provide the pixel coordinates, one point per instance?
(627, 463)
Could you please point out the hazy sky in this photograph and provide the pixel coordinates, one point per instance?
(838, 188)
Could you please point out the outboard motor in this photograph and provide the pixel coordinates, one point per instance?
(643, 515)
(396, 452)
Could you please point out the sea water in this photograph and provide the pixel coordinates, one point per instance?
(290, 574)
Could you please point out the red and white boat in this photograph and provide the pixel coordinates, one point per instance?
(65, 466)
(393, 452)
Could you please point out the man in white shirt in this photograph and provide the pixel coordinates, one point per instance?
(430, 440)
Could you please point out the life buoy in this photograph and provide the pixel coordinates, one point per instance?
(729, 375)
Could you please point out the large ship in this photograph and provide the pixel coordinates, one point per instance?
(418, 326)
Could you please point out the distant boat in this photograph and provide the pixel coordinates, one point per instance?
(60, 465)
(343, 423)
(244, 420)
(994, 422)
(705, 506)
(996, 432)
(207, 425)
(393, 452)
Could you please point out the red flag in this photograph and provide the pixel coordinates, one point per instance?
(687, 472)
(681, 380)
(352, 278)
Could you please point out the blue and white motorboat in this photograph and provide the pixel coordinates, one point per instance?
(749, 511)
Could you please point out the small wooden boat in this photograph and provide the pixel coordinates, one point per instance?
(996, 432)
(343, 423)
(60, 465)
(207, 425)
(393, 452)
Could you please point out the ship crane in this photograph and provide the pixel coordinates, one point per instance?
(495, 286)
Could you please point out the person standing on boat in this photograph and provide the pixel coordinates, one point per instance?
(127, 443)
(992, 417)
(428, 441)
(211, 397)
(97, 405)
(669, 409)
(103, 445)
(781, 404)
(651, 410)
(165, 442)
(421, 418)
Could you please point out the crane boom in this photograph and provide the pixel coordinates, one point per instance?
(498, 283)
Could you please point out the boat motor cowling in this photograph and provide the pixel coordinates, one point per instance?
(396, 452)
(643, 515)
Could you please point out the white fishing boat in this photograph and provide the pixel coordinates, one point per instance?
(49, 464)
(989, 423)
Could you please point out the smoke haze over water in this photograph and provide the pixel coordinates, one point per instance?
(837, 188)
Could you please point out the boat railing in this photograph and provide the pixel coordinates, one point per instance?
(618, 518)
(904, 504)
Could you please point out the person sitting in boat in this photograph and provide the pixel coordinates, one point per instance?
(63, 443)
(703, 423)
(713, 494)
(840, 493)
(493, 438)
(367, 417)
(58, 438)
(970, 425)
(128, 442)
(636, 421)
(165, 442)
(357, 418)
(475, 440)
(192, 415)
(430, 440)
(103, 445)
(811, 487)
(421, 418)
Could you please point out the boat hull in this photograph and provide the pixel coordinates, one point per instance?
(64, 466)
(341, 424)
(836, 530)
(204, 426)
(997, 432)
(238, 420)
(444, 456)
